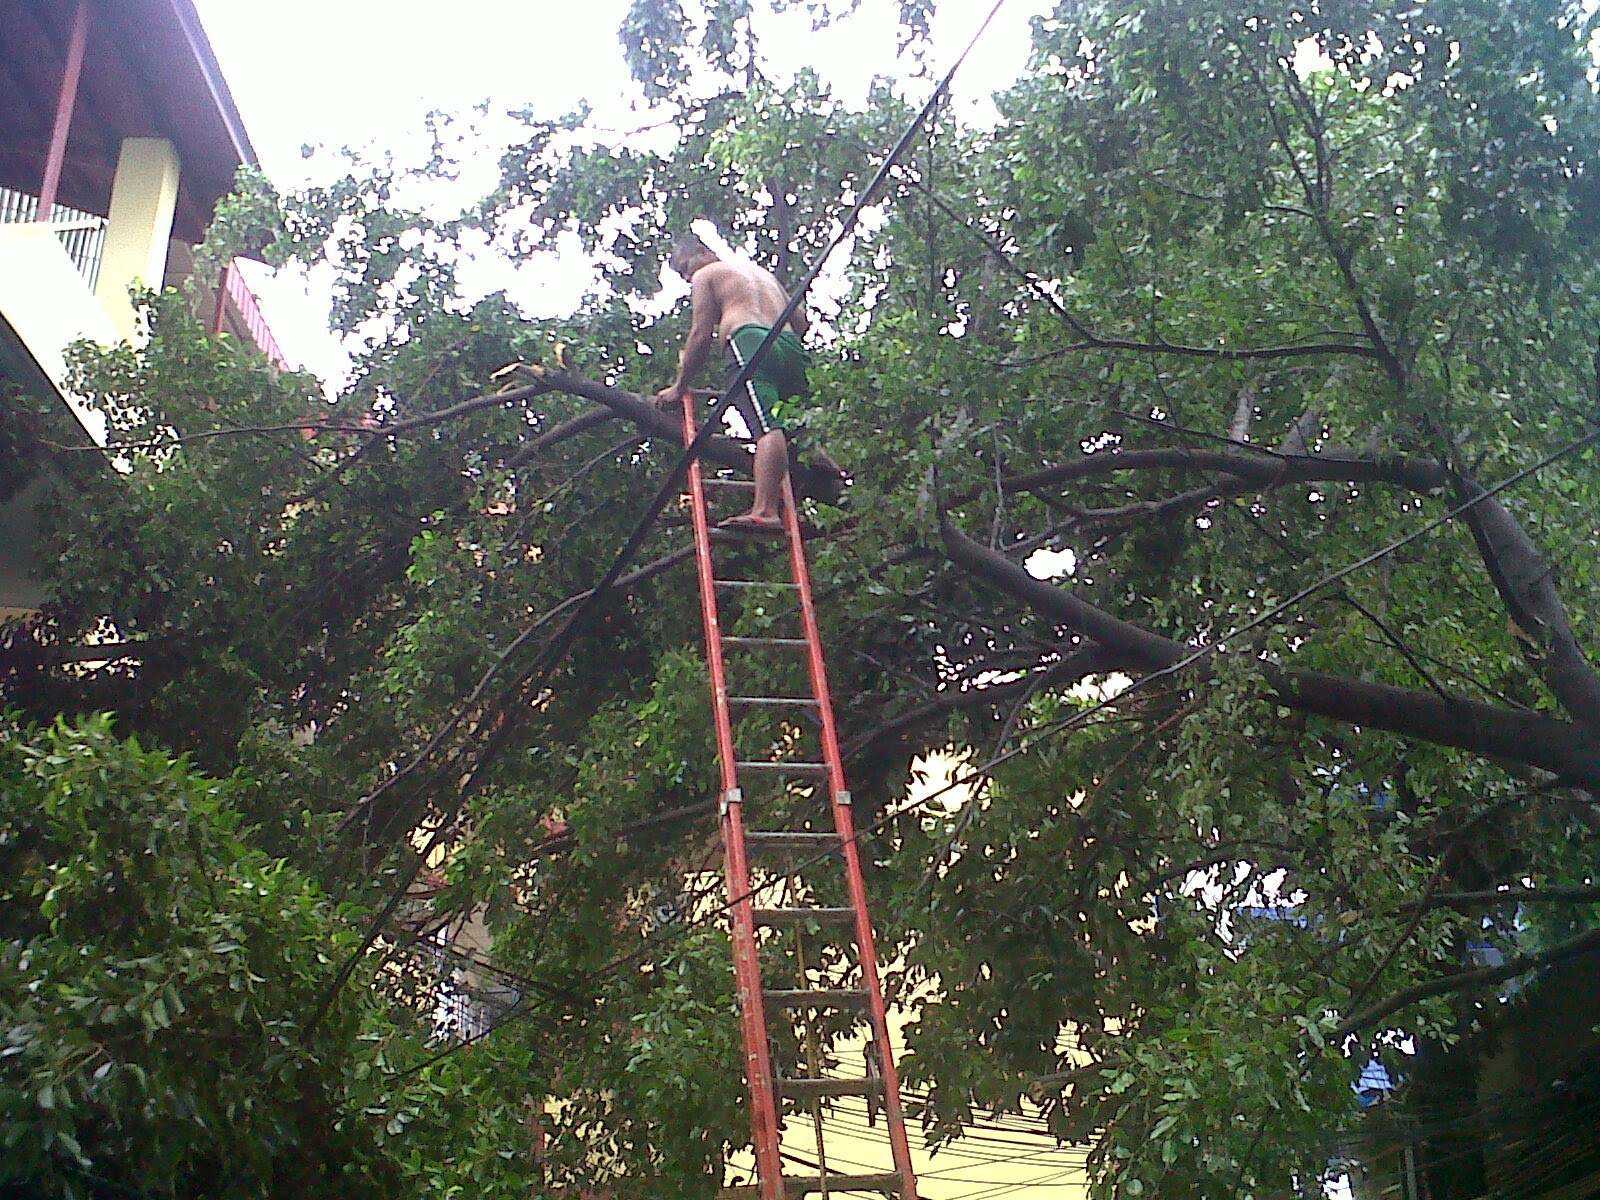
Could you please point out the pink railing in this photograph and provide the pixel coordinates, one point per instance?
(235, 290)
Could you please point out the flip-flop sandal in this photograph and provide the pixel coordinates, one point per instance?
(751, 527)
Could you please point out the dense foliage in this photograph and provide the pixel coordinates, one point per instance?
(1233, 301)
(157, 984)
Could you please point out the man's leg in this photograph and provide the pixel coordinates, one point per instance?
(771, 467)
(771, 464)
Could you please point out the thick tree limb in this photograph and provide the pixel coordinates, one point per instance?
(820, 479)
(1139, 648)
(1527, 587)
(1511, 734)
(1584, 943)
(1258, 467)
(1565, 750)
(647, 416)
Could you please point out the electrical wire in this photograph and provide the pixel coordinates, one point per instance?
(980, 772)
(567, 636)
(556, 650)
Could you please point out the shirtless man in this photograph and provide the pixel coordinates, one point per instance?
(739, 302)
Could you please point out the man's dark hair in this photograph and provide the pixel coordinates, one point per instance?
(687, 246)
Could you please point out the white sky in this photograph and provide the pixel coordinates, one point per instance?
(366, 72)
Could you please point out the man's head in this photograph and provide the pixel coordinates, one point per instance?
(689, 254)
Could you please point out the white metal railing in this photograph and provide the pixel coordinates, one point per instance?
(82, 234)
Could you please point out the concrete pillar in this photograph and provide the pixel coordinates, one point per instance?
(144, 195)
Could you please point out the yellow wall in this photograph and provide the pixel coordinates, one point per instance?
(1007, 1158)
(144, 196)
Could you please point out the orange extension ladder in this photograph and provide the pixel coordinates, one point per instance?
(797, 901)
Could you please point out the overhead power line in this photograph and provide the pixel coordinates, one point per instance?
(561, 644)
(653, 942)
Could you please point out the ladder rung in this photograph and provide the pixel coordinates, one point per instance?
(784, 768)
(758, 583)
(799, 916)
(776, 840)
(815, 997)
(811, 1089)
(772, 701)
(800, 1185)
(738, 485)
(763, 641)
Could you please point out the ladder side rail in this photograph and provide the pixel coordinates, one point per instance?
(747, 972)
(844, 824)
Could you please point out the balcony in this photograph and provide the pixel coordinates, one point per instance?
(48, 274)
(47, 303)
(236, 311)
(83, 235)
(228, 306)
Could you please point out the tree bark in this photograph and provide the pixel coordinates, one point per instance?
(1567, 751)
(1527, 587)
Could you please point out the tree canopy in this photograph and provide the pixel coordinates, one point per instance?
(1222, 429)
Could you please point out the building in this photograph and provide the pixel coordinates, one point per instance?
(117, 139)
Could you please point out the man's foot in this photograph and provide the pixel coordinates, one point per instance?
(748, 524)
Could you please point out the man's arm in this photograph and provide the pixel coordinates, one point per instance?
(800, 322)
(707, 307)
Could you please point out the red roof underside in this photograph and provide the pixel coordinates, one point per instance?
(148, 71)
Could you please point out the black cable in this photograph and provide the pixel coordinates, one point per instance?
(673, 484)
(976, 774)
(563, 641)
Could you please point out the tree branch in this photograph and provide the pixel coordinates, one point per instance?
(1524, 581)
(644, 414)
(1260, 467)
(1462, 901)
(1244, 409)
(1584, 943)
(1093, 341)
(1521, 737)
(1520, 573)
(563, 432)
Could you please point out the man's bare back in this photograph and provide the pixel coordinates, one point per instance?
(743, 294)
(724, 297)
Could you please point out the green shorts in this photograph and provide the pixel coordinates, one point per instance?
(780, 375)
